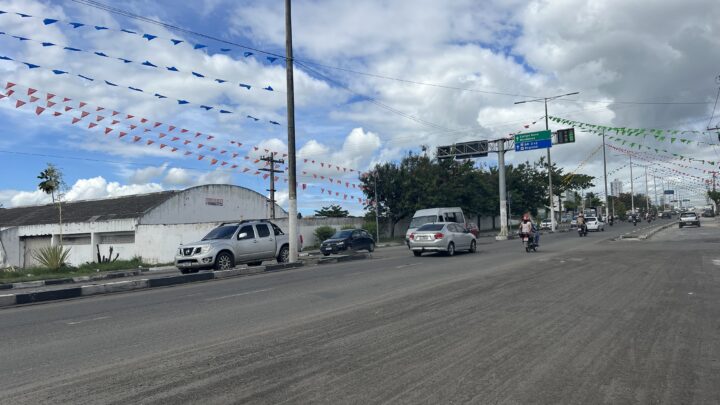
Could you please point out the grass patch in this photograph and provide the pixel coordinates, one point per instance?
(42, 273)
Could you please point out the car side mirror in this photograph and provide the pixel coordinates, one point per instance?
(242, 235)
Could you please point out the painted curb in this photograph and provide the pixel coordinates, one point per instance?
(183, 279)
(48, 295)
(283, 266)
(7, 300)
(69, 280)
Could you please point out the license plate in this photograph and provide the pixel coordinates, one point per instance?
(183, 264)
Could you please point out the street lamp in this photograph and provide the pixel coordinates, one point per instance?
(547, 127)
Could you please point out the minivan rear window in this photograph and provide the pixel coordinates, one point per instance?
(431, 227)
(419, 221)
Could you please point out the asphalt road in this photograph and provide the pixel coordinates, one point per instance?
(584, 320)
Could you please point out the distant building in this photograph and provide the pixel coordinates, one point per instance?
(616, 187)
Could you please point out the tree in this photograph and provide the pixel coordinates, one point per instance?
(332, 211)
(591, 200)
(52, 183)
(715, 196)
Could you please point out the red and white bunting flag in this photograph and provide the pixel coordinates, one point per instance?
(222, 152)
(108, 130)
(246, 170)
(187, 142)
(304, 186)
(130, 116)
(174, 138)
(99, 118)
(212, 162)
(170, 128)
(9, 85)
(173, 149)
(115, 122)
(182, 131)
(256, 160)
(305, 160)
(99, 108)
(210, 137)
(39, 110)
(255, 147)
(114, 113)
(146, 130)
(132, 127)
(84, 114)
(150, 142)
(247, 157)
(284, 154)
(322, 190)
(65, 99)
(223, 163)
(2, 96)
(212, 149)
(338, 168)
(233, 166)
(31, 91)
(200, 145)
(162, 145)
(256, 173)
(49, 96)
(143, 120)
(75, 120)
(200, 157)
(57, 113)
(157, 124)
(162, 135)
(197, 134)
(82, 104)
(188, 153)
(276, 178)
(136, 138)
(92, 125)
(321, 164)
(33, 99)
(344, 196)
(122, 134)
(50, 104)
(10, 93)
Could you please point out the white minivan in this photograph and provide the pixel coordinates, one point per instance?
(433, 215)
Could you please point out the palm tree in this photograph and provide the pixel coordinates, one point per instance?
(52, 183)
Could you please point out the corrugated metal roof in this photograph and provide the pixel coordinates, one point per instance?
(132, 206)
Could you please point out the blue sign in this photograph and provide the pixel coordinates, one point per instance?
(532, 145)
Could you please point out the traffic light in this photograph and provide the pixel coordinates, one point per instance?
(565, 135)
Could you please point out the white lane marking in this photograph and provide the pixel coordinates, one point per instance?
(237, 295)
(716, 262)
(87, 320)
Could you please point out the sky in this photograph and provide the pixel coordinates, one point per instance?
(374, 81)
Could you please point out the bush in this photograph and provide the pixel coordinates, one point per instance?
(323, 232)
(371, 228)
(52, 257)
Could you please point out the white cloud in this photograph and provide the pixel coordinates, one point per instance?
(144, 175)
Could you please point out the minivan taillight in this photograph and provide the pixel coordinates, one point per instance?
(439, 235)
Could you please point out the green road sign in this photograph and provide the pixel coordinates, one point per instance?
(533, 136)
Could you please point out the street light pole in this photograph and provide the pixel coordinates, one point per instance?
(377, 215)
(607, 208)
(647, 193)
(632, 188)
(547, 128)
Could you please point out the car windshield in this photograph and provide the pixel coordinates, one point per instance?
(419, 221)
(222, 232)
(687, 215)
(342, 234)
(431, 227)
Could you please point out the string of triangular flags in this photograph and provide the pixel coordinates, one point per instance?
(569, 176)
(147, 64)
(665, 159)
(93, 119)
(143, 36)
(655, 164)
(626, 130)
(136, 90)
(640, 146)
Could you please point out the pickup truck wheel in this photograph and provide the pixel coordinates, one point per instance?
(224, 261)
(371, 248)
(284, 255)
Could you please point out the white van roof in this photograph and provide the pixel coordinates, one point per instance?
(436, 211)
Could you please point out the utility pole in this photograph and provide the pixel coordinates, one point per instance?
(632, 188)
(292, 180)
(272, 161)
(647, 193)
(547, 127)
(657, 202)
(377, 214)
(503, 192)
(607, 207)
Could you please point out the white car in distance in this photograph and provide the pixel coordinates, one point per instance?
(594, 224)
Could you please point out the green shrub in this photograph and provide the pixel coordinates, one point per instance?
(52, 257)
(371, 228)
(324, 232)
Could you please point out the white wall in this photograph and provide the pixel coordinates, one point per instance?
(158, 243)
(11, 252)
(211, 203)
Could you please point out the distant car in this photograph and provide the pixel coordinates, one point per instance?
(473, 228)
(688, 218)
(545, 224)
(573, 223)
(594, 224)
(708, 214)
(348, 240)
(666, 215)
(442, 237)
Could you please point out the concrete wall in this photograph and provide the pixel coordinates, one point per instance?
(158, 243)
(211, 203)
(10, 251)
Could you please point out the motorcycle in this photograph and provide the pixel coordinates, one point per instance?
(611, 221)
(635, 221)
(528, 242)
(582, 230)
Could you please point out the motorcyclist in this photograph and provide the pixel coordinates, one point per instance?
(581, 221)
(527, 228)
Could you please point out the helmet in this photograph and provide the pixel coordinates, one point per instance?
(526, 217)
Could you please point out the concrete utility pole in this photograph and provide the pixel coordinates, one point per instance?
(657, 202)
(647, 193)
(292, 179)
(272, 161)
(607, 206)
(503, 193)
(377, 214)
(547, 127)
(632, 188)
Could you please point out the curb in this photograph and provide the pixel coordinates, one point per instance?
(8, 300)
(68, 280)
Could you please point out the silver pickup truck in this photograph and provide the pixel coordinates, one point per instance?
(232, 243)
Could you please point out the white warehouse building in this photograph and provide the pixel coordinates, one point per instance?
(150, 226)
